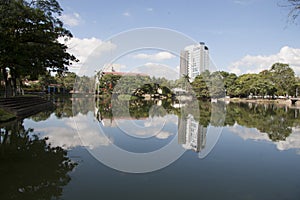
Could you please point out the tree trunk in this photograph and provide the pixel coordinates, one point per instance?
(13, 84)
(7, 84)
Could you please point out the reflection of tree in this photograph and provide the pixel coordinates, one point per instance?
(30, 168)
(205, 113)
(63, 107)
(138, 108)
(41, 116)
(275, 121)
(82, 105)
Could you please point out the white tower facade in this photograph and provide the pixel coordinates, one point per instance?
(194, 59)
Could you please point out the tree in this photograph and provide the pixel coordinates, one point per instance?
(216, 85)
(284, 78)
(244, 85)
(295, 8)
(183, 82)
(201, 85)
(29, 45)
(67, 80)
(229, 82)
(30, 167)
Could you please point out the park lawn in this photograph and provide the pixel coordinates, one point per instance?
(5, 116)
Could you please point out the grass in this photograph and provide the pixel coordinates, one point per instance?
(6, 116)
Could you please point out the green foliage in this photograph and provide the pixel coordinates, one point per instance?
(284, 78)
(209, 85)
(229, 82)
(280, 80)
(67, 80)
(29, 45)
(136, 85)
(200, 85)
(84, 84)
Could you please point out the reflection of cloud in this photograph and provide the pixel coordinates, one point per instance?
(255, 64)
(64, 137)
(158, 70)
(89, 132)
(163, 135)
(144, 132)
(147, 128)
(155, 121)
(67, 137)
(164, 55)
(291, 142)
(249, 133)
(152, 126)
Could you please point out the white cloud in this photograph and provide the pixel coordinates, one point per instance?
(242, 2)
(71, 20)
(83, 48)
(164, 55)
(158, 70)
(126, 14)
(149, 9)
(255, 64)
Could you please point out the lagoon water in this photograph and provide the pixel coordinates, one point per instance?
(220, 151)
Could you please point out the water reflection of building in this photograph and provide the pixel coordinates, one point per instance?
(191, 134)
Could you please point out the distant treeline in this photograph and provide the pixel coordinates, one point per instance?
(279, 80)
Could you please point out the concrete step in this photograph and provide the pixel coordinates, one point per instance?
(25, 106)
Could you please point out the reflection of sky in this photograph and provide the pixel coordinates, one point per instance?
(151, 126)
(291, 142)
(63, 132)
(151, 134)
(145, 135)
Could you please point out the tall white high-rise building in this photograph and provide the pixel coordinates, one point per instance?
(194, 59)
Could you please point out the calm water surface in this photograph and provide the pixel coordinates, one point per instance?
(233, 151)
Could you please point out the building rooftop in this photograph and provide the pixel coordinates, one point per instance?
(126, 73)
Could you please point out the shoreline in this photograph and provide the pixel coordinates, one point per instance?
(283, 102)
(6, 116)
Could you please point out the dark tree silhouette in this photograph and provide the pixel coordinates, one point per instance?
(29, 167)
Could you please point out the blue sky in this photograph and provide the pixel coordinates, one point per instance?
(243, 36)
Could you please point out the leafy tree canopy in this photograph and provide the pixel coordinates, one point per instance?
(29, 31)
